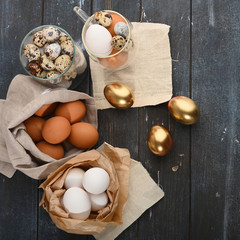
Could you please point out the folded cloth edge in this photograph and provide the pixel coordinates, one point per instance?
(111, 232)
(6, 167)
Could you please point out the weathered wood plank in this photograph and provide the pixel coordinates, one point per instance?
(168, 219)
(215, 140)
(18, 207)
(61, 13)
(120, 127)
(18, 195)
(15, 22)
(212, 144)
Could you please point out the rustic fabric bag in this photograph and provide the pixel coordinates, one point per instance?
(18, 152)
(116, 162)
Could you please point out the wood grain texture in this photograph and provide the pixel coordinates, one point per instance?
(202, 198)
(18, 195)
(18, 207)
(169, 219)
(14, 25)
(215, 140)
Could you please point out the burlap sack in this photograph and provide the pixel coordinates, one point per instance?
(18, 152)
(116, 162)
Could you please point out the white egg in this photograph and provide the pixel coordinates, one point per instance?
(74, 178)
(98, 201)
(77, 203)
(96, 180)
(98, 40)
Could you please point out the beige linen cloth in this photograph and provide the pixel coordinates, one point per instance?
(18, 152)
(143, 193)
(149, 74)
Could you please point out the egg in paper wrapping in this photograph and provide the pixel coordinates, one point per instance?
(96, 180)
(77, 203)
(98, 201)
(74, 178)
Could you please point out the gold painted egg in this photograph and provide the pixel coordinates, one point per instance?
(159, 140)
(119, 95)
(184, 110)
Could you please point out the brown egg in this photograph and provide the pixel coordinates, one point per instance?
(73, 111)
(55, 151)
(56, 130)
(46, 109)
(83, 135)
(115, 61)
(34, 127)
(115, 19)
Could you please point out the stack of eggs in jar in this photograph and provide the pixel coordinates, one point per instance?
(107, 37)
(50, 54)
(85, 191)
(54, 123)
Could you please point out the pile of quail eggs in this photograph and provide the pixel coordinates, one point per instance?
(50, 54)
(120, 28)
(108, 34)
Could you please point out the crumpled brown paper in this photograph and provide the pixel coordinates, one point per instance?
(116, 162)
(149, 74)
(18, 152)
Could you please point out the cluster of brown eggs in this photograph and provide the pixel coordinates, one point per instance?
(54, 123)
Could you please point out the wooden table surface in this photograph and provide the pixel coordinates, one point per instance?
(202, 198)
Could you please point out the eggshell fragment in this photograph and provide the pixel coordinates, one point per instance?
(83, 135)
(73, 111)
(46, 109)
(56, 130)
(77, 203)
(96, 180)
(55, 151)
(74, 178)
(98, 201)
(34, 126)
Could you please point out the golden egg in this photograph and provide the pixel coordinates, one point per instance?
(119, 95)
(159, 140)
(184, 110)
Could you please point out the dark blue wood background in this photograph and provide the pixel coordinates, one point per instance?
(202, 198)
